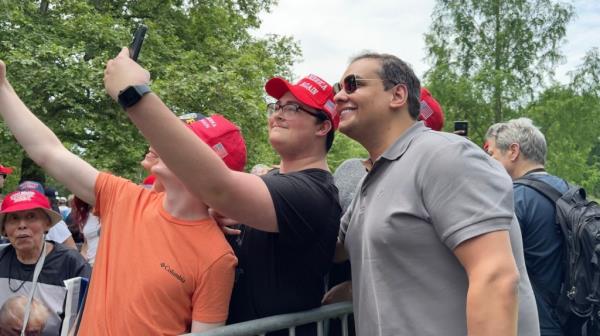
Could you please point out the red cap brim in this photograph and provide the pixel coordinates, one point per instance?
(276, 87)
(54, 216)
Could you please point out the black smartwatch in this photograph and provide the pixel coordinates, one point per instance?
(132, 94)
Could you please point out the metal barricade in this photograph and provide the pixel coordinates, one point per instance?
(320, 316)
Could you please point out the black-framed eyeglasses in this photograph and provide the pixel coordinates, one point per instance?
(289, 110)
(351, 83)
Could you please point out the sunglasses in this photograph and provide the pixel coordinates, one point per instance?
(351, 83)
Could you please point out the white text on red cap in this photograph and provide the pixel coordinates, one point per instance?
(208, 122)
(23, 196)
(318, 81)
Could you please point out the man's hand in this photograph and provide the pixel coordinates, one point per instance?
(225, 223)
(122, 72)
(338, 293)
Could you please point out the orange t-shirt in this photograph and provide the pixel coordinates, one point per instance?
(154, 273)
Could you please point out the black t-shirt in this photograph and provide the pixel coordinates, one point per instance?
(284, 272)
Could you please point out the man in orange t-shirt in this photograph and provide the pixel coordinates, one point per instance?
(163, 266)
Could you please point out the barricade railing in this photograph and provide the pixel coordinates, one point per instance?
(320, 316)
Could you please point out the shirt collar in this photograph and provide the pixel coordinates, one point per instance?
(400, 146)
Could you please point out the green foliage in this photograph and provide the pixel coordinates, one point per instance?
(343, 149)
(490, 57)
(568, 116)
(494, 60)
(200, 55)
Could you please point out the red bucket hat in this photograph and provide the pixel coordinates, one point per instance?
(5, 170)
(431, 111)
(223, 136)
(310, 90)
(21, 200)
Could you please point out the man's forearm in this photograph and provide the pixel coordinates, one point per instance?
(492, 307)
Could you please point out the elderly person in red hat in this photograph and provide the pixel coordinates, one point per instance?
(25, 218)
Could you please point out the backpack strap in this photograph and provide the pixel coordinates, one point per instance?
(553, 196)
(542, 187)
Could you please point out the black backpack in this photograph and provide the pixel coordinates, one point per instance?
(578, 304)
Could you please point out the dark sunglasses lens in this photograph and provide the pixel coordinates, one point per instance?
(350, 84)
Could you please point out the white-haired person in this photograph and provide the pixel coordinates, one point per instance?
(25, 218)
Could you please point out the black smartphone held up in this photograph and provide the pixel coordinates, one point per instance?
(136, 44)
(461, 128)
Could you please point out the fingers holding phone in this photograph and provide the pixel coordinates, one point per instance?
(123, 71)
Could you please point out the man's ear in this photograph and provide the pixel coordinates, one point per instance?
(324, 127)
(399, 96)
(514, 151)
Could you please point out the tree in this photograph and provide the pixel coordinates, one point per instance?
(490, 57)
(200, 54)
(568, 116)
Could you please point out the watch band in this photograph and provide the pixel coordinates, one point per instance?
(132, 95)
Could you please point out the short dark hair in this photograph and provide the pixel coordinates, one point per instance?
(395, 71)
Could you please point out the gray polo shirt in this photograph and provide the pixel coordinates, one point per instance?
(429, 192)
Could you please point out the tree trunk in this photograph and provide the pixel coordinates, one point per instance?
(497, 66)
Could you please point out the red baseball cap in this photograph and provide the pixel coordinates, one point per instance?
(310, 90)
(431, 111)
(5, 170)
(21, 200)
(223, 136)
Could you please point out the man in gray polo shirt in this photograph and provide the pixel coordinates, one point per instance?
(431, 233)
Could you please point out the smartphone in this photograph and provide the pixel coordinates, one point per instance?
(136, 43)
(461, 128)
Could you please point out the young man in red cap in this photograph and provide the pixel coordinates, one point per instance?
(291, 215)
(163, 266)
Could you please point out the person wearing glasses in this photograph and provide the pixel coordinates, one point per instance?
(431, 233)
(163, 266)
(290, 215)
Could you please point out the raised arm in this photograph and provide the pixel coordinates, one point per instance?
(42, 145)
(243, 197)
